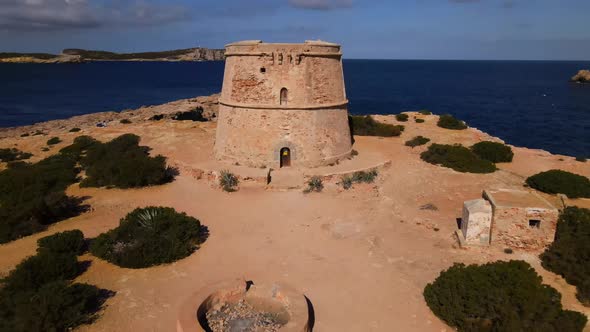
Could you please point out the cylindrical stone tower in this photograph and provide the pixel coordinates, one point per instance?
(283, 105)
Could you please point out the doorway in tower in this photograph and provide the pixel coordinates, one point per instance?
(285, 157)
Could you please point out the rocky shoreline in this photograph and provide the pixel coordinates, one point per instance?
(583, 76)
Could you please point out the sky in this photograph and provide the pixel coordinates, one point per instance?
(367, 29)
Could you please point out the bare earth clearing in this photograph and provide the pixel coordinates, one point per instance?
(362, 256)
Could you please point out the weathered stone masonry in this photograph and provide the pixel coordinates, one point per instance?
(283, 96)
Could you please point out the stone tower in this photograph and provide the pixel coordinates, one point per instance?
(283, 105)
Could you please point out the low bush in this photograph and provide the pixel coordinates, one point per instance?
(419, 120)
(53, 141)
(57, 306)
(425, 112)
(367, 126)
(314, 184)
(228, 181)
(365, 176)
(401, 117)
(25, 135)
(150, 236)
(449, 122)
(12, 154)
(125, 121)
(46, 266)
(64, 242)
(32, 196)
(561, 182)
(569, 254)
(417, 141)
(346, 182)
(193, 115)
(499, 296)
(122, 163)
(493, 151)
(457, 157)
(156, 117)
(38, 132)
(75, 130)
(581, 159)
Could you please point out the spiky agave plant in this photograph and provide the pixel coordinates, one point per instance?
(147, 216)
(228, 181)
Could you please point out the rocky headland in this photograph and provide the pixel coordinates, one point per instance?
(583, 76)
(75, 55)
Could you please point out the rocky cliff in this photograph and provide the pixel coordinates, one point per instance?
(583, 76)
(74, 55)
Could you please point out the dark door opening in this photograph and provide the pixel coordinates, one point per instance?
(285, 157)
(535, 223)
(284, 96)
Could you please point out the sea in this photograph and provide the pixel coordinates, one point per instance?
(525, 103)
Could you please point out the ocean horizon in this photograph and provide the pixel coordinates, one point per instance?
(527, 103)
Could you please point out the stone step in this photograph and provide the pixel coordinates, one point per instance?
(286, 178)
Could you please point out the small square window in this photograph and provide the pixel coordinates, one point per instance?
(263, 70)
(535, 223)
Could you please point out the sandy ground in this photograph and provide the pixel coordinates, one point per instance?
(362, 256)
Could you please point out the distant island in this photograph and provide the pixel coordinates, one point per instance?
(583, 76)
(74, 55)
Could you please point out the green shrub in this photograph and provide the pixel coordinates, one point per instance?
(561, 182)
(364, 176)
(449, 122)
(401, 117)
(25, 135)
(75, 130)
(56, 306)
(314, 184)
(508, 251)
(79, 147)
(122, 163)
(193, 115)
(425, 112)
(46, 266)
(12, 154)
(53, 141)
(346, 182)
(150, 236)
(493, 151)
(125, 121)
(38, 132)
(569, 255)
(156, 117)
(32, 196)
(64, 242)
(499, 296)
(581, 159)
(457, 157)
(419, 120)
(228, 181)
(367, 126)
(417, 141)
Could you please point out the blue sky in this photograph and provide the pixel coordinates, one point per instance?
(369, 29)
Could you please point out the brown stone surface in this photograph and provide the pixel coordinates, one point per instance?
(363, 256)
(255, 122)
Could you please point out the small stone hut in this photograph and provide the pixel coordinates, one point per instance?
(283, 105)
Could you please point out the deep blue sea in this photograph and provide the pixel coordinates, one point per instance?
(526, 103)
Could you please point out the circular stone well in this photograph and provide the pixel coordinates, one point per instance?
(282, 304)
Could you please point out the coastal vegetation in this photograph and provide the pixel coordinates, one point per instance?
(42, 56)
(569, 254)
(39, 295)
(417, 141)
(499, 296)
(125, 121)
(315, 184)
(13, 154)
(367, 126)
(425, 112)
(359, 177)
(150, 236)
(561, 182)
(448, 121)
(228, 181)
(75, 130)
(53, 141)
(122, 163)
(419, 120)
(401, 117)
(192, 115)
(458, 158)
(104, 55)
(493, 151)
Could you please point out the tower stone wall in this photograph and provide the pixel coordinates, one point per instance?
(283, 96)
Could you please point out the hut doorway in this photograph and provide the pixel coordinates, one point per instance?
(284, 96)
(285, 157)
